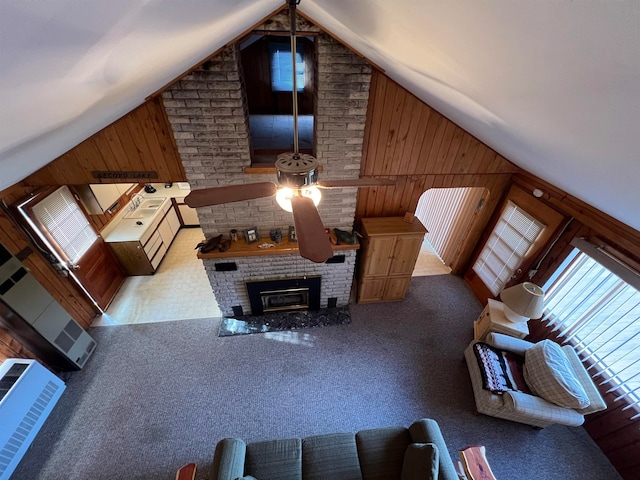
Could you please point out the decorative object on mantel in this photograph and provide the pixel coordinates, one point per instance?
(251, 235)
(266, 245)
(276, 235)
(343, 236)
(233, 233)
(279, 321)
(209, 245)
(224, 245)
(292, 234)
(297, 190)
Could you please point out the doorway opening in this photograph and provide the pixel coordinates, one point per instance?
(448, 214)
(268, 79)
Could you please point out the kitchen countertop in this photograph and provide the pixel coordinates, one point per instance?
(122, 229)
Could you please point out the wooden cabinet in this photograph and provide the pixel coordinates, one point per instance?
(388, 254)
(143, 256)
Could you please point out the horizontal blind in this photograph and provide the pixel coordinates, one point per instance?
(508, 244)
(598, 313)
(60, 214)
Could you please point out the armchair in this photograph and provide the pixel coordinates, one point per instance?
(524, 407)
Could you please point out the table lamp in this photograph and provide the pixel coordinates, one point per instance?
(522, 302)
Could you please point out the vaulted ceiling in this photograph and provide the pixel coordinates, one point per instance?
(554, 86)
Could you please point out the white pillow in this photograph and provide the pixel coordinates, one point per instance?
(549, 375)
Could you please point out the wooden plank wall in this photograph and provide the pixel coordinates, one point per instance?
(140, 141)
(408, 141)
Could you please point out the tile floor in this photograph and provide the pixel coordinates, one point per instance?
(180, 289)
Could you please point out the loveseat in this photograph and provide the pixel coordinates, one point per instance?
(376, 454)
(556, 381)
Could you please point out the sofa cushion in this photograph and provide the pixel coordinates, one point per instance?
(549, 375)
(333, 456)
(381, 452)
(420, 462)
(275, 459)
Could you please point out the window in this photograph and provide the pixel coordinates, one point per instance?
(60, 214)
(282, 68)
(598, 313)
(511, 239)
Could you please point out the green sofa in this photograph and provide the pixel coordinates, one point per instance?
(392, 453)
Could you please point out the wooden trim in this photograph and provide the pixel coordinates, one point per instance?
(209, 57)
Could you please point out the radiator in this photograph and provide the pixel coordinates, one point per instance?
(28, 393)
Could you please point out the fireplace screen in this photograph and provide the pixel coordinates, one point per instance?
(288, 299)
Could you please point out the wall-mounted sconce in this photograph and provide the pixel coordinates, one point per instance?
(537, 193)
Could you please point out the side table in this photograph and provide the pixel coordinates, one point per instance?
(492, 319)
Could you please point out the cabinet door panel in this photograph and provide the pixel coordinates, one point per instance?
(405, 254)
(396, 288)
(371, 290)
(379, 253)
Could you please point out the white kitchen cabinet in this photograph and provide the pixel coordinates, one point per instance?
(189, 215)
(98, 198)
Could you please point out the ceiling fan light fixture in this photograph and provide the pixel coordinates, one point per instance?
(296, 170)
(284, 195)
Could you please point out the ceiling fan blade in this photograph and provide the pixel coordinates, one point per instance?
(356, 182)
(230, 193)
(313, 242)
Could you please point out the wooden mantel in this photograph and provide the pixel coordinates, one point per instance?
(244, 249)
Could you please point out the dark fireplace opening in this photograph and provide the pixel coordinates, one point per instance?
(300, 293)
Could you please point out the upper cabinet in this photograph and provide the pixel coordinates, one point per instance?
(99, 198)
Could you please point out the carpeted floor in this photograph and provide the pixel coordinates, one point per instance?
(157, 396)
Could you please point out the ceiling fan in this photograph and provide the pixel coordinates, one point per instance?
(298, 184)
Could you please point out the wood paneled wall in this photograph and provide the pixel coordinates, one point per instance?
(140, 141)
(408, 141)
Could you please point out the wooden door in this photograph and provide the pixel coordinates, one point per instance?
(379, 255)
(396, 288)
(551, 220)
(405, 254)
(371, 290)
(100, 273)
(96, 272)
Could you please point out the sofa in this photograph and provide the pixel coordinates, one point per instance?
(391, 453)
(544, 405)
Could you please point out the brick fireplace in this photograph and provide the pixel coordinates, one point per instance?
(209, 116)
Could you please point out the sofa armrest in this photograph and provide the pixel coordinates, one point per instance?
(536, 408)
(427, 430)
(505, 342)
(228, 459)
(596, 402)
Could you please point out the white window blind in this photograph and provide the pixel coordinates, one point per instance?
(60, 214)
(511, 239)
(598, 313)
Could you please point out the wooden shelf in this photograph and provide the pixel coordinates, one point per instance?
(243, 249)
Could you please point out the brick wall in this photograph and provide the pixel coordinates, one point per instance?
(208, 113)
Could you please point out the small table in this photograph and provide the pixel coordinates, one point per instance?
(493, 319)
(474, 463)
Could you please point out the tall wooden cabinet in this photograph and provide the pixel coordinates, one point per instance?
(388, 253)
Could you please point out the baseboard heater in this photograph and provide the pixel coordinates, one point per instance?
(28, 393)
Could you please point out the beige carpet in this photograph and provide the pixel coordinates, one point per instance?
(179, 290)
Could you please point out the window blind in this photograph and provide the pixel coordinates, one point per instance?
(508, 244)
(60, 214)
(282, 68)
(598, 313)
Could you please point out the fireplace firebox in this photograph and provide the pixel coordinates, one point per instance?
(300, 293)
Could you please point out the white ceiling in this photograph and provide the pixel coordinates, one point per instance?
(552, 85)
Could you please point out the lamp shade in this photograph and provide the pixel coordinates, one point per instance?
(523, 301)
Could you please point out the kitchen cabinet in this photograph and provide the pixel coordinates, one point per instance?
(388, 253)
(98, 198)
(142, 255)
(189, 215)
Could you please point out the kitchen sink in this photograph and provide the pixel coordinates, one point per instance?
(141, 213)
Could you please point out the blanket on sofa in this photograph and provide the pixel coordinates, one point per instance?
(501, 370)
